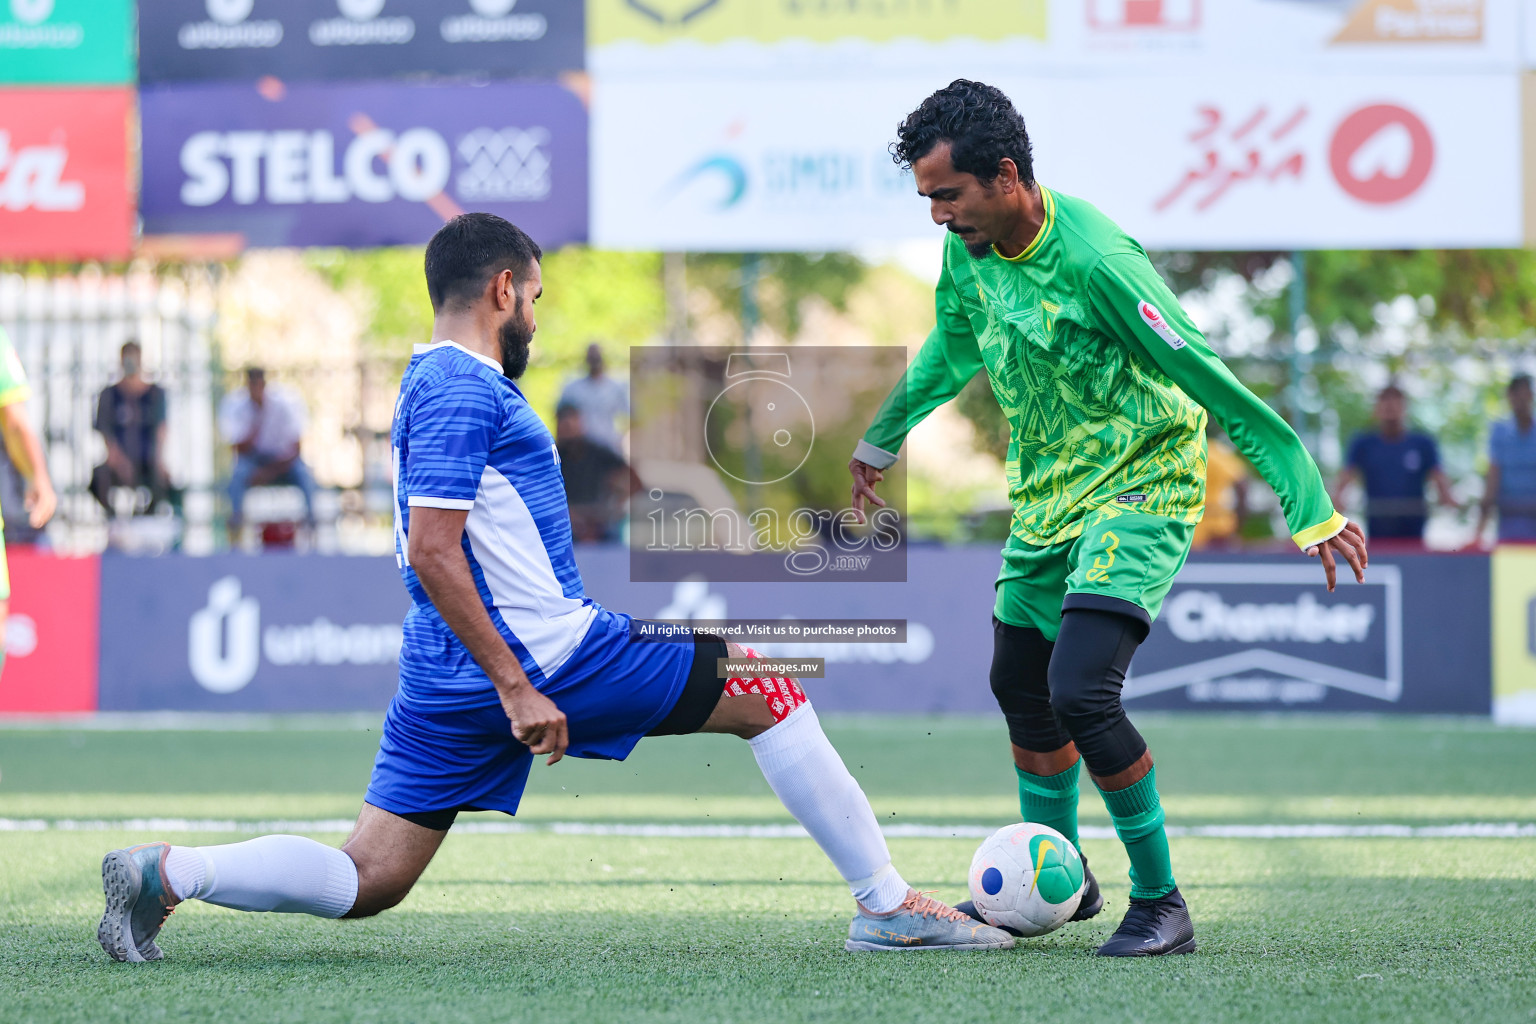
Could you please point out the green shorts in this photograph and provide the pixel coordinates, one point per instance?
(5, 570)
(1120, 563)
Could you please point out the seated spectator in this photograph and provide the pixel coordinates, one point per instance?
(596, 480)
(1511, 482)
(264, 423)
(600, 399)
(1394, 464)
(130, 417)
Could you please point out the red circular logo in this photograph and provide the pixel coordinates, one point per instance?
(1375, 184)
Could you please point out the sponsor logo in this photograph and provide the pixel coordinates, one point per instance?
(677, 13)
(32, 31)
(229, 29)
(492, 21)
(510, 165)
(1144, 15)
(32, 178)
(1414, 21)
(1381, 154)
(20, 635)
(1278, 659)
(361, 25)
(225, 641)
(1131, 499)
(376, 166)
(1153, 319)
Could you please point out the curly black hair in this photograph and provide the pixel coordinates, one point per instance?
(980, 124)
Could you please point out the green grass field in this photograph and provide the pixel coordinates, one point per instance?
(557, 924)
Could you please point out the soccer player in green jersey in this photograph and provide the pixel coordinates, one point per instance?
(1105, 382)
(26, 453)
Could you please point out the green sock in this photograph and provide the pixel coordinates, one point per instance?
(1138, 818)
(1051, 800)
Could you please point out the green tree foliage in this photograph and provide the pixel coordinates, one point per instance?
(784, 281)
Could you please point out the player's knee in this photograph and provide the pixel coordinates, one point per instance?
(374, 896)
(1080, 696)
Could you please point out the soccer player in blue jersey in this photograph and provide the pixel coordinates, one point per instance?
(505, 657)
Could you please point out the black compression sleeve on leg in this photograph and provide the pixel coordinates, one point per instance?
(1088, 666)
(1021, 657)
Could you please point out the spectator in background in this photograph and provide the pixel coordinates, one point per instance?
(130, 417)
(1511, 483)
(264, 423)
(1226, 493)
(1394, 464)
(597, 481)
(601, 400)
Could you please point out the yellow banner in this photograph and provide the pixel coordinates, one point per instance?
(1514, 635)
(819, 21)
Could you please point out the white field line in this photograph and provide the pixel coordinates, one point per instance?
(1468, 830)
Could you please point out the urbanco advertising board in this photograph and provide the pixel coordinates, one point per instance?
(1239, 161)
(236, 633)
(64, 173)
(186, 40)
(359, 165)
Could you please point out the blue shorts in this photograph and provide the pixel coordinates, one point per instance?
(444, 761)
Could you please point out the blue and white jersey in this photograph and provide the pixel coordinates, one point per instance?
(464, 437)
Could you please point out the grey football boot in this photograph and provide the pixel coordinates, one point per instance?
(922, 923)
(139, 899)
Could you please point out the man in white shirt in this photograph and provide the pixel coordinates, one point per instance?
(601, 400)
(265, 425)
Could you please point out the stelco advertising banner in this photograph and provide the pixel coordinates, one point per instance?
(234, 633)
(358, 165)
(50, 633)
(1237, 161)
(1119, 38)
(64, 174)
(61, 42)
(182, 40)
(317, 633)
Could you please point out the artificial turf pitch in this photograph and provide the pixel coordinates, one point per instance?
(559, 924)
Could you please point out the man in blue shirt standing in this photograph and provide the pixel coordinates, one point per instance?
(505, 657)
(1511, 482)
(1394, 464)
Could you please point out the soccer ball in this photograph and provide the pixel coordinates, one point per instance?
(1028, 878)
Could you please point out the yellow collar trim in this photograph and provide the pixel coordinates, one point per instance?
(1045, 229)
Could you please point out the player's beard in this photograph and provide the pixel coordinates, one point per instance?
(515, 339)
(978, 247)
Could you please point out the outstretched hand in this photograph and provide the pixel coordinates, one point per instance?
(865, 477)
(1348, 542)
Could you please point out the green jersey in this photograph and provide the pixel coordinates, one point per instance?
(1102, 377)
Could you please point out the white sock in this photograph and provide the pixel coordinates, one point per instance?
(812, 782)
(281, 874)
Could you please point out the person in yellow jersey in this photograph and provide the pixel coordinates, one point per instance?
(1105, 382)
(1226, 494)
(26, 452)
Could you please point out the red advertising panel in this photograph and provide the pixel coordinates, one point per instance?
(64, 174)
(51, 636)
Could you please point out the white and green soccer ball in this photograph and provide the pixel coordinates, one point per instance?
(1028, 878)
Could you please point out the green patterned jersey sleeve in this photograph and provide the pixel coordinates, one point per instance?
(1133, 304)
(944, 365)
(13, 379)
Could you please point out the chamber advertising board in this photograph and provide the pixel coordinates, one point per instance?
(359, 165)
(182, 40)
(1238, 161)
(1116, 38)
(64, 174)
(234, 633)
(66, 42)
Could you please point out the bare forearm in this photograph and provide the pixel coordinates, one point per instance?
(451, 586)
(25, 448)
